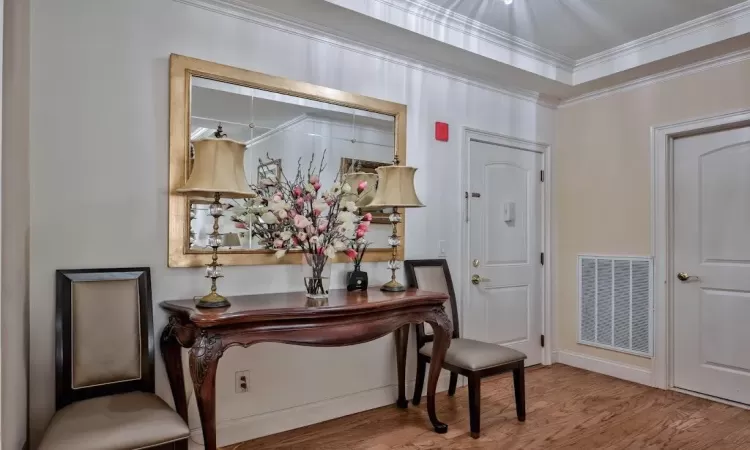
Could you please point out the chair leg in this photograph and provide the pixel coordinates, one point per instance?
(181, 445)
(419, 382)
(452, 385)
(474, 410)
(520, 389)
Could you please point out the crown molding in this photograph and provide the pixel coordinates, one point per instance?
(679, 31)
(444, 17)
(271, 19)
(719, 61)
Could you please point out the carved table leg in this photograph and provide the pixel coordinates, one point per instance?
(442, 330)
(402, 341)
(171, 351)
(204, 359)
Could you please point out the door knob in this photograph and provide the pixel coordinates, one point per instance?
(476, 279)
(682, 276)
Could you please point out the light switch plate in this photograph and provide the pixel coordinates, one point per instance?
(441, 249)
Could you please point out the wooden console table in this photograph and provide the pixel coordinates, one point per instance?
(348, 318)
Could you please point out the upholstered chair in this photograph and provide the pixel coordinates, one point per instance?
(105, 366)
(467, 357)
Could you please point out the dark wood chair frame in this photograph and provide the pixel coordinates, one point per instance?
(473, 376)
(64, 392)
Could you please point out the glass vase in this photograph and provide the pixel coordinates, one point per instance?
(316, 273)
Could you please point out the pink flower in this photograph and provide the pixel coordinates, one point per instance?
(292, 213)
(316, 212)
(316, 186)
(322, 225)
(302, 236)
(360, 233)
(321, 250)
(301, 222)
(362, 186)
(350, 253)
(364, 226)
(314, 179)
(295, 240)
(278, 243)
(367, 217)
(240, 225)
(277, 197)
(297, 191)
(300, 202)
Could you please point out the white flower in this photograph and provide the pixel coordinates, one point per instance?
(339, 246)
(280, 254)
(286, 235)
(269, 218)
(314, 240)
(351, 206)
(282, 214)
(309, 188)
(336, 188)
(346, 188)
(320, 205)
(278, 206)
(346, 217)
(330, 251)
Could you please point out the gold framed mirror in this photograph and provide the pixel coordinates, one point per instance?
(283, 123)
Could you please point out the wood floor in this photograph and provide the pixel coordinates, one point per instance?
(567, 408)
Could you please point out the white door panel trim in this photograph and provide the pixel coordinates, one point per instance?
(548, 313)
(662, 149)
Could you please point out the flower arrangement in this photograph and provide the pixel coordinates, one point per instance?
(360, 248)
(298, 214)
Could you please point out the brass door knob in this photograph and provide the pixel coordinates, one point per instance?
(476, 279)
(682, 276)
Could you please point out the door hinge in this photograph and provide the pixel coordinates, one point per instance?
(542, 340)
(542, 177)
(542, 259)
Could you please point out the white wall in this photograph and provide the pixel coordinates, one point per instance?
(14, 291)
(99, 146)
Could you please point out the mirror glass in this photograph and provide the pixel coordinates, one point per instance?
(281, 132)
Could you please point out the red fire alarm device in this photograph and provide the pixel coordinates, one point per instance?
(441, 131)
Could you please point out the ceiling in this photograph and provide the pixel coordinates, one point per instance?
(548, 51)
(581, 28)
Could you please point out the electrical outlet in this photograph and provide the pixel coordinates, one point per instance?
(441, 249)
(242, 382)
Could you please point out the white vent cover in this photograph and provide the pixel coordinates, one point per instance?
(614, 299)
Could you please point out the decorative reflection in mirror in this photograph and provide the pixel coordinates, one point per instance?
(283, 124)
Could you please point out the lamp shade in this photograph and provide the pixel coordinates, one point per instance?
(353, 180)
(219, 167)
(395, 188)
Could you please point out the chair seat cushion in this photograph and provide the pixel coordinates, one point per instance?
(476, 355)
(117, 422)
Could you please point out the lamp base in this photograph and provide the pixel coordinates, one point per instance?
(393, 286)
(213, 300)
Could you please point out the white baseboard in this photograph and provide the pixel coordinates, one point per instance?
(247, 428)
(605, 366)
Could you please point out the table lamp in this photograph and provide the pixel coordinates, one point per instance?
(218, 172)
(395, 190)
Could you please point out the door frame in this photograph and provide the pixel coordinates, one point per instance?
(548, 313)
(662, 183)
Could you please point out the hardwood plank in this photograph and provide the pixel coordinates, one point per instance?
(567, 408)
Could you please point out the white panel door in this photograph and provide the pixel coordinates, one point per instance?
(505, 219)
(712, 245)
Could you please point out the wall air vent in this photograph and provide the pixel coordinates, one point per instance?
(615, 303)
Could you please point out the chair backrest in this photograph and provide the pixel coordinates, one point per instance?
(432, 275)
(104, 333)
